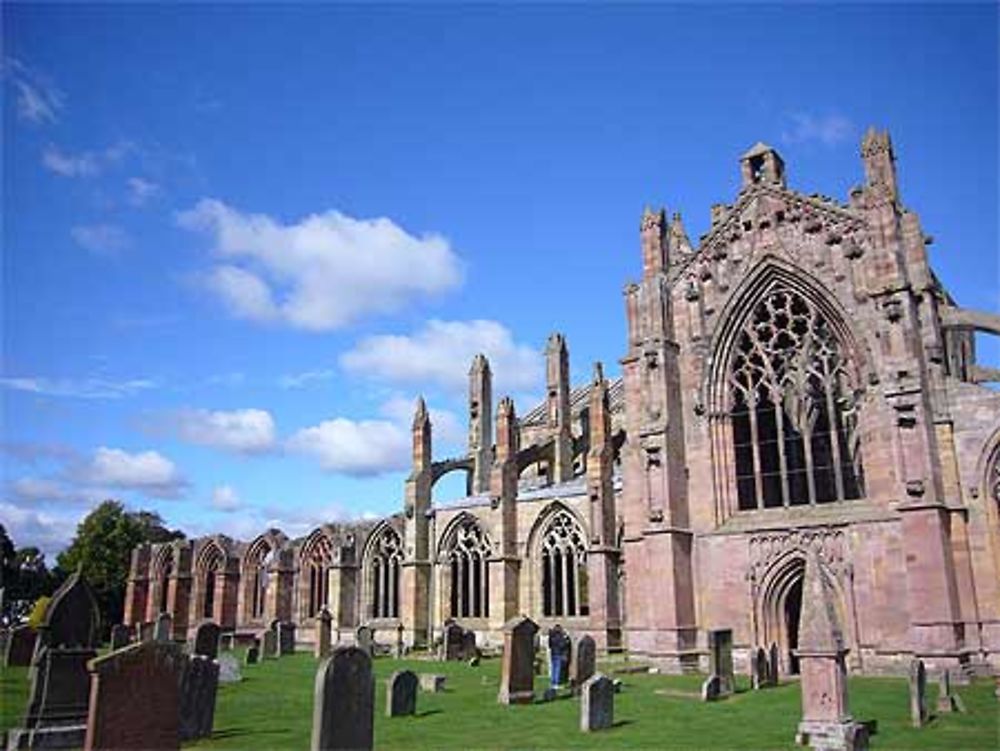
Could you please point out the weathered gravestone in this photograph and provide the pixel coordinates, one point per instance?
(711, 688)
(720, 646)
(759, 669)
(324, 629)
(344, 703)
(133, 698)
(364, 640)
(597, 703)
(517, 678)
(206, 639)
(584, 661)
(432, 682)
(469, 648)
(56, 716)
(164, 630)
(401, 694)
(286, 638)
(229, 669)
(198, 685)
(400, 648)
(269, 644)
(948, 700)
(145, 631)
(453, 636)
(918, 693)
(253, 653)
(121, 636)
(20, 646)
(773, 666)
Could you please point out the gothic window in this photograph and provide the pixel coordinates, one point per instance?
(564, 567)
(466, 559)
(793, 414)
(317, 557)
(995, 480)
(383, 574)
(257, 574)
(166, 569)
(210, 562)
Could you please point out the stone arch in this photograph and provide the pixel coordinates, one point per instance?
(557, 551)
(783, 386)
(315, 560)
(209, 571)
(381, 564)
(463, 563)
(162, 568)
(258, 579)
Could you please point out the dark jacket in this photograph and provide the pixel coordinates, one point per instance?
(559, 643)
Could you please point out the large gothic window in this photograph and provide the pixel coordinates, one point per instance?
(564, 567)
(793, 412)
(256, 573)
(384, 564)
(166, 570)
(316, 560)
(210, 563)
(466, 558)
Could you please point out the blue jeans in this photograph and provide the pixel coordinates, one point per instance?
(557, 665)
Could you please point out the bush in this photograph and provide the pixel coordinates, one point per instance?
(38, 611)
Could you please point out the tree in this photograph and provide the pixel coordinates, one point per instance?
(24, 578)
(103, 547)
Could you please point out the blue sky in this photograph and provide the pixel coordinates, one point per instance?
(239, 241)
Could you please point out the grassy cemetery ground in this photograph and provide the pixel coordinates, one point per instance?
(272, 709)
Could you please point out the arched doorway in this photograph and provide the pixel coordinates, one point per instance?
(792, 611)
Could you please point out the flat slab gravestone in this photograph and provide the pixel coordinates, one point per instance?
(720, 645)
(597, 703)
(229, 668)
(432, 683)
(344, 702)
(517, 677)
(133, 698)
(585, 661)
(401, 694)
(269, 644)
(198, 686)
(918, 693)
(286, 638)
(453, 646)
(121, 635)
(206, 639)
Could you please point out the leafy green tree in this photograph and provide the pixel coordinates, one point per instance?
(103, 546)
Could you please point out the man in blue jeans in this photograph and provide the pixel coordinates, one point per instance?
(559, 651)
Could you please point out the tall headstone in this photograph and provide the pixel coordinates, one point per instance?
(286, 638)
(453, 646)
(344, 703)
(760, 669)
(773, 664)
(20, 646)
(918, 693)
(826, 718)
(400, 647)
(720, 645)
(206, 639)
(253, 653)
(134, 699)
(597, 703)
(947, 700)
(198, 686)
(269, 643)
(324, 630)
(584, 662)
(364, 640)
(164, 627)
(401, 694)
(469, 649)
(517, 679)
(120, 636)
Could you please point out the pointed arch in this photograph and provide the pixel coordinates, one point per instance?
(464, 555)
(381, 562)
(162, 570)
(256, 576)
(209, 567)
(558, 551)
(315, 560)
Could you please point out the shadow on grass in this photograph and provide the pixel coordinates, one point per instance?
(240, 732)
(427, 713)
(622, 723)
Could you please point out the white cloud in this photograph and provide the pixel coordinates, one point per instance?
(243, 431)
(445, 425)
(224, 498)
(30, 489)
(84, 164)
(101, 239)
(147, 471)
(322, 272)
(360, 448)
(141, 191)
(441, 352)
(301, 380)
(826, 129)
(38, 99)
(87, 388)
(49, 532)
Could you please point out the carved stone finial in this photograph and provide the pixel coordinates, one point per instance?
(598, 373)
(420, 413)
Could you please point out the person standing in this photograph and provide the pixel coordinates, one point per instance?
(559, 651)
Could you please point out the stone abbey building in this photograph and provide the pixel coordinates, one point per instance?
(798, 381)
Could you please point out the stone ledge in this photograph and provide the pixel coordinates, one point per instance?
(839, 514)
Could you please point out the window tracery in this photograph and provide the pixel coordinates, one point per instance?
(383, 574)
(467, 558)
(564, 567)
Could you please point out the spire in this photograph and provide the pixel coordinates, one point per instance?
(880, 164)
(421, 437)
(480, 423)
(679, 244)
(420, 413)
(506, 430)
(652, 232)
(598, 379)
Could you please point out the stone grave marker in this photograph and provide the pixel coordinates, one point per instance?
(517, 679)
(198, 685)
(584, 661)
(133, 698)
(164, 627)
(145, 631)
(432, 683)
(253, 653)
(469, 648)
(759, 669)
(773, 665)
(453, 635)
(365, 640)
(286, 638)
(720, 645)
(206, 639)
(918, 693)
(229, 669)
(597, 703)
(401, 694)
(20, 646)
(120, 636)
(324, 631)
(711, 688)
(948, 700)
(400, 646)
(269, 644)
(344, 703)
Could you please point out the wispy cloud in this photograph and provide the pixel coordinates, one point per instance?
(307, 378)
(141, 191)
(86, 388)
(225, 498)
(39, 101)
(84, 163)
(829, 130)
(101, 239)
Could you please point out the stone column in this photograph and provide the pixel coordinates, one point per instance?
(505, 566)
(137, 590)
(416, 573)
(480, 424)
(559, 418)
(179, 588)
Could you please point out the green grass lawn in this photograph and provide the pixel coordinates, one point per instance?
(272, 709)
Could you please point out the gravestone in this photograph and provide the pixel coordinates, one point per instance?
(286, 638)
(72, 618)
(269, 644)
(120, 636)
(711, 688)
(773, 666)
(206, 639)
(401, 694)
(145, 631)
(432, 682)
(517, 679)
(133, 698)
(453, 646)
(344, 703)
(324, 628)
(365, 641)
(948, 700)
(597, 703)
(469, 648)
(918, 693)
(20, 646)
(720, 645)
(164, 627)
(253, 653)
(400, 646)
(228, 642)
(584, 662)
(229, 669)
(198, 685)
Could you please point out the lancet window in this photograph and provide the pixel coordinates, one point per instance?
(470, 577)
(210, 562)
(793, 411)
(564, 567)
(386, 558)
(165, 572)
(257, 576)
(317, 557)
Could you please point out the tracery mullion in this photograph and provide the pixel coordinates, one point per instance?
(758, 480)
(833, 425)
